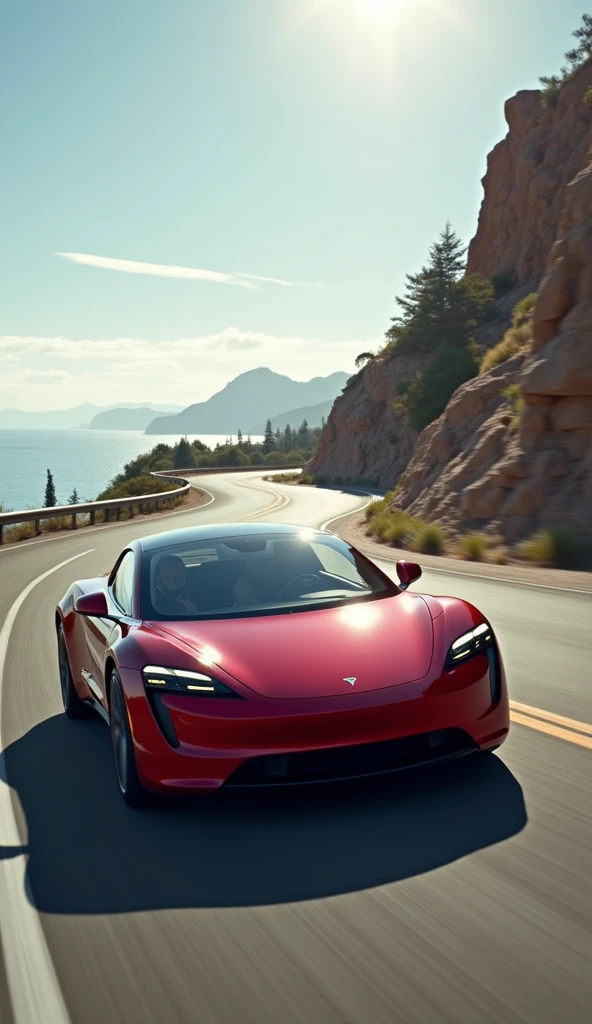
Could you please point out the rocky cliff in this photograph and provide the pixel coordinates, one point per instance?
(524, 192)
(481, 466)
(527, 175)
(364, 438)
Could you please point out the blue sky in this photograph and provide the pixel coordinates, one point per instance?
(316, 142)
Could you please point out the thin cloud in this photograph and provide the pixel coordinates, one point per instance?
(239, 280)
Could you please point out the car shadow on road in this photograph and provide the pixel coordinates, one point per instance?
(90, 854)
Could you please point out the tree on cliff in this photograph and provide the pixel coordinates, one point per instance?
(50, 492)
(439, 313)
(574, 60)
(440, 304)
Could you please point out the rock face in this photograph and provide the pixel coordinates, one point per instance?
(479, 464)
(364, 438)
(527, 175)
(526, 188)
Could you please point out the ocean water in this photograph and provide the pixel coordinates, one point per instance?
(83, 459)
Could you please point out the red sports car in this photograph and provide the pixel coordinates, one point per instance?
(257, 654)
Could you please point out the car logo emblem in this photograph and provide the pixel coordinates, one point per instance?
(350, 679)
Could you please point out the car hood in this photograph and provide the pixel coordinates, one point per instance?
(313, 653)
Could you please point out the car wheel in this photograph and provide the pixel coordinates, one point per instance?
(73, 705)
(124, 757)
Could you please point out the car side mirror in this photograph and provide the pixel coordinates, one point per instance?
(94, 604)
(408, 573)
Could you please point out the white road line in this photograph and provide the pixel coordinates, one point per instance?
(35, 993)
(361, 508)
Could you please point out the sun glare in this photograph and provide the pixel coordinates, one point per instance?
(379, 8)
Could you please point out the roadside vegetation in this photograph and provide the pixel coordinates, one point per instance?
(556, 548)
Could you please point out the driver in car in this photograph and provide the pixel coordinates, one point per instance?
(172, 594)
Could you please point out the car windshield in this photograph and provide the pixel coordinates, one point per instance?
(254, 575)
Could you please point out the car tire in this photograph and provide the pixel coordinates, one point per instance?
(74, 707)
(122, 744)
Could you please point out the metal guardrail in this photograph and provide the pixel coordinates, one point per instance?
(147, 502)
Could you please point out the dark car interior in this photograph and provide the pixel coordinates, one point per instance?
(280, 572)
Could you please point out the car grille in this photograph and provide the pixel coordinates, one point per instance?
(353, 761)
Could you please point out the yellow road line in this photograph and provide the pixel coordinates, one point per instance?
(280, 501)
(552, 730)
(549, 716)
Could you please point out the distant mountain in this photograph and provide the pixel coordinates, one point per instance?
(128, 418)
(64, 419)
(250, 398)
(313, 414)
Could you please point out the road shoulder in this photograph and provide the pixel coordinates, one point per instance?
(353, 529)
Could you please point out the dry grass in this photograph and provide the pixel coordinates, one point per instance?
(515, 340)
(473, 547)
(429, 539)
(557, 548)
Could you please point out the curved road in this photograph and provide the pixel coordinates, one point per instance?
(461, 897)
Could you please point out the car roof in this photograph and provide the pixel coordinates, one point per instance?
(216, 531)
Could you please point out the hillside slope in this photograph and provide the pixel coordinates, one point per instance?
(476, 466)
(313, 414)
(250, 398)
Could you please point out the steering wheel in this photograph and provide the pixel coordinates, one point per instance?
(304, 580)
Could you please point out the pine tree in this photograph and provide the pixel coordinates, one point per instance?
(184, 456)
(73, 499)
(303, 440)
(268, 438)
(239, 438)
(50, 494)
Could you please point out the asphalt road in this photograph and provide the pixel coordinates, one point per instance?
(461, 896)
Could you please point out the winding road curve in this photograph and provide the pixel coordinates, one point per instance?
(457, 897)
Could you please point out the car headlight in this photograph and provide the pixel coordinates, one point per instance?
(181, 680)
(470, 643)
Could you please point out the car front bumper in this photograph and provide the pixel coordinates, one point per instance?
(195, 743)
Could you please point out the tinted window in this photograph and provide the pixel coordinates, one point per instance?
(254, 574)
(123, 583)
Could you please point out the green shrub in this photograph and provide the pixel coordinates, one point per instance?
(400, 530)
(429, 539)
(379, 525)
(556, 547)
(429, 393)
(137, 485)
(374, 508)
(550, 91)
(287, 478)
(473, 547)
(503, 281)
